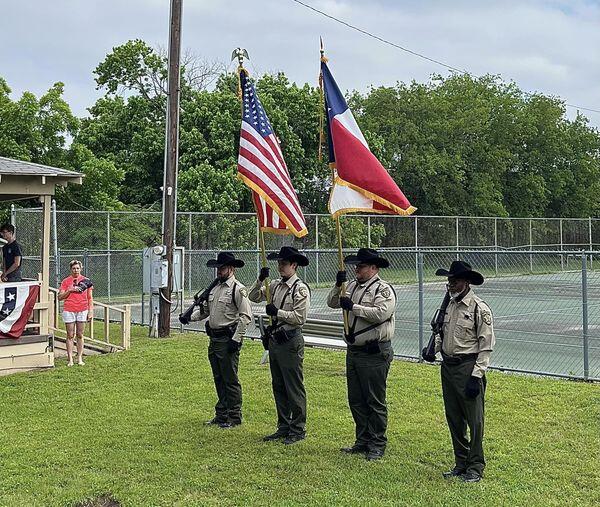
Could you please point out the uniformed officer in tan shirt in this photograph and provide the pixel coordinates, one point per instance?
(466, 345)
(290, 302)
(229, 313)
(370, 303)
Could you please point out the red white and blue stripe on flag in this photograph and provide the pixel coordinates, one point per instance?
(361, 183)
(16, 304)
(261, 167)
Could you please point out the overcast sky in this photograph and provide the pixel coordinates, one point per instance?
(546, 46)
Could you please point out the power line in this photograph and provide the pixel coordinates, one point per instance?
(414, 53)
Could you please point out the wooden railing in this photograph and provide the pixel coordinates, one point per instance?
(105, 343)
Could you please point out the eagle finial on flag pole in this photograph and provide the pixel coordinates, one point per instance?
(240, 54)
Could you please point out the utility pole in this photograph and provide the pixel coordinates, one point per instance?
(171, 156)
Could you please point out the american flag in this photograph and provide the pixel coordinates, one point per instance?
(16, 304)
(261, 166)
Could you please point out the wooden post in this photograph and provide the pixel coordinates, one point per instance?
(106, 324)
(92, 328)
(171, 157)
(53, 313)
(45, 285)
(126, 328)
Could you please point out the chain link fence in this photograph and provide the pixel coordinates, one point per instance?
(542, 277)
(103, 230)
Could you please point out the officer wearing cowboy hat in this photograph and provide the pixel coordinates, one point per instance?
(466, 344)
(229, 313)
(290, 301)
(370, 304)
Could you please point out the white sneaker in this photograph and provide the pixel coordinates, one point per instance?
(80, 362)
(70, 363)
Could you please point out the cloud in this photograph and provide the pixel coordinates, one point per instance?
(543, 46)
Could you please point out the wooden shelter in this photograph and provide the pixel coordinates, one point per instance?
(25, 180)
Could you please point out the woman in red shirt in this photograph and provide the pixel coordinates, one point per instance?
(78, 309)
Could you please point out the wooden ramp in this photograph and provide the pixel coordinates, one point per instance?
(96, 340)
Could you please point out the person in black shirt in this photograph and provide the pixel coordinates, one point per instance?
(11, 255)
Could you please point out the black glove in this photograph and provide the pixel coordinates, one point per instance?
(473, 387)
(346, 303)
(426, 356)
(264, 273)
(233, 346)
(340, 278)
(271, 310)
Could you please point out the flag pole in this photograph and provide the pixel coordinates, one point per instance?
(240, 54)
(263, 256)
(341, 265)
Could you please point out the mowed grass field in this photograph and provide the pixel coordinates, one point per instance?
(129, 427)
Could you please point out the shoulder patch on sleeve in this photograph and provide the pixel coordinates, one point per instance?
(303, 291)
(386, 292)
(243, 292)
(486, 316)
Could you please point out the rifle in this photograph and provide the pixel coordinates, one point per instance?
(199, 298)
(437, 328)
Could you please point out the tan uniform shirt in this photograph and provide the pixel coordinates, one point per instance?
(296, 304)
(222, 311)
(374, 303)
(468, 329)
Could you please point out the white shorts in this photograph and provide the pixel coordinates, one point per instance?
(69, 317)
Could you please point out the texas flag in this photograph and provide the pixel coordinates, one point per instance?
(16, 304)
(360, 181)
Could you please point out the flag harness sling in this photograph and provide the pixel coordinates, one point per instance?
(351, 336)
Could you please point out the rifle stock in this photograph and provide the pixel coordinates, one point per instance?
(199, 298)
(437, 327)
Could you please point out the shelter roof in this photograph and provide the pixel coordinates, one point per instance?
(24, 180)
(19, 167)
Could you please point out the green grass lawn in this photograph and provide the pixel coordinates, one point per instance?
(130, 425)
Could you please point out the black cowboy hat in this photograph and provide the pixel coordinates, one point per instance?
(461, 269)
(288, 253)
(367, 256)
(225, 259)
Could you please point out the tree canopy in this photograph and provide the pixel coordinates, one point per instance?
(456, 145)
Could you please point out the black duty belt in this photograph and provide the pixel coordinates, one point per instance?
(459, 358)
(220, 332)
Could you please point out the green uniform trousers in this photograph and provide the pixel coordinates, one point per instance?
(286, 360)
(366, 376)
(461, 412)
(224, 365)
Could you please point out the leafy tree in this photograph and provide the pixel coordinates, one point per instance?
(127, 127)
(35, 130)
(479, 146)
(101, 184)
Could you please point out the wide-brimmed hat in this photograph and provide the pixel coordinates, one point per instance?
(225, 259)
(367, 256)
(461, 269)
(288, 253)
